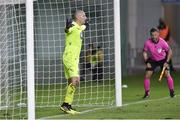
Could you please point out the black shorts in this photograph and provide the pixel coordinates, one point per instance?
(155, 64)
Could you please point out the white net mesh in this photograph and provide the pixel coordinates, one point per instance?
(12, 60)
(97, 80)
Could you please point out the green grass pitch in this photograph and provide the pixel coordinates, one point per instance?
(158, 106)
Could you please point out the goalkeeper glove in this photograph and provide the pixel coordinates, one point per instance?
(68, 25)
(87, 24)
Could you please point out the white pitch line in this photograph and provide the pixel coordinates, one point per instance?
(127, 104)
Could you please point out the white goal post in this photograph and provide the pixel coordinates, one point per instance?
(30, 59)
(117, 42)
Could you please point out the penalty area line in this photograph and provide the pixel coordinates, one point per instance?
(95, 109)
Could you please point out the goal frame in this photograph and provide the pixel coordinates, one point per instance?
(30, 56)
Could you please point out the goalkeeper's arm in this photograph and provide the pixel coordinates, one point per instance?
(68, 25)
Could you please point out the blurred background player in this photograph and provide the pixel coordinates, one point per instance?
(156, 53)
(90, 56)
(94, 61)
(98, 68)
(164, 32)
(71, 55)
(90, 60)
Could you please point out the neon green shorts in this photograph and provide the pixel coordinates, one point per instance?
(71, 68)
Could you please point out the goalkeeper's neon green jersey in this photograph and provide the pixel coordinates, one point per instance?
(73, 41)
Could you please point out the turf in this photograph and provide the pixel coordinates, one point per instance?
(158, 106)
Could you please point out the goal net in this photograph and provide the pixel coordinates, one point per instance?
(97, 81)
(97, 59)
(13, 93)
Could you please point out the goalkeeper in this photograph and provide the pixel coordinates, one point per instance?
(159, 55)
(71, 55)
